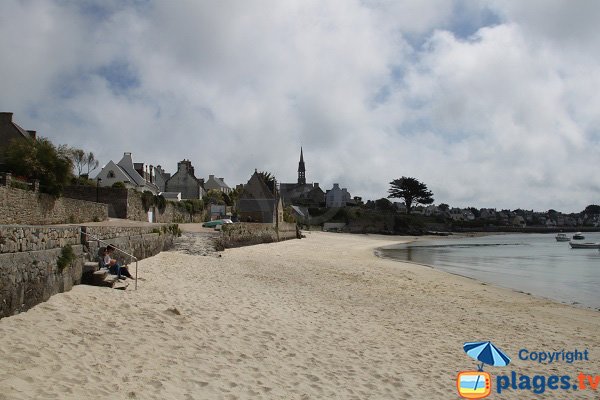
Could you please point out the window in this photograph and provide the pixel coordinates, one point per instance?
(111, 174)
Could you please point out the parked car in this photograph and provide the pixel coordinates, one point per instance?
(217, 222)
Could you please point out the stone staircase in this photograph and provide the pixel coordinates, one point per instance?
(100, 277)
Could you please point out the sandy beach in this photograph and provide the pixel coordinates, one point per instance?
(316, 318)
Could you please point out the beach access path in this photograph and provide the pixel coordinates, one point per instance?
(316, 318)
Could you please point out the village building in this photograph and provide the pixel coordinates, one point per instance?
(10, 131)
(302, 193)
(216, 184)
(337, 197)
(185, 182)
(160, 178)
(138, 176)
(257, 203)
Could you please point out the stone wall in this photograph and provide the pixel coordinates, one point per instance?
(18, 206)
(29, 273)
(247, 233)
(115, 198)
(141, 242)
(29, 278)
(172, 213)
(127, 204)
(25, 238)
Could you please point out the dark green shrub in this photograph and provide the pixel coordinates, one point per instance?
(147, 200)
(67, 256)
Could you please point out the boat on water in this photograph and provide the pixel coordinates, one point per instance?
(578, 236)
(585, 245)
(562, 237)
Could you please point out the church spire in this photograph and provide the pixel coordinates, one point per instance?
(301, 169)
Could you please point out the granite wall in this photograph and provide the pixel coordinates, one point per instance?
(29, 270)
(127, 204)
(247, 233)
(18, 206)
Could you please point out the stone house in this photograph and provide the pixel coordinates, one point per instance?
(185, 182)
(138, 176)
(10, 131)
(216, 184)
(160, 178)
(337, 197)
(257, 203)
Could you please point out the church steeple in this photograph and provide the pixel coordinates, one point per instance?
(301, 170)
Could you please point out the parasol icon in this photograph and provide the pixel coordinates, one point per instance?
(486, 353)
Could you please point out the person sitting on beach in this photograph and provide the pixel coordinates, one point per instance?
(113, 265)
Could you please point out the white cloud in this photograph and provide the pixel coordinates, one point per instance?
(505, 116)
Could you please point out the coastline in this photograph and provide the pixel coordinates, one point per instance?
(380, 252)
(321, 317)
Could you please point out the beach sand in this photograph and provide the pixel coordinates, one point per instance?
(316, 318)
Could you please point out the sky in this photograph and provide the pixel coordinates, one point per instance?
(490, 103)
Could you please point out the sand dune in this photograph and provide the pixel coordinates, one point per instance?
(305, 319)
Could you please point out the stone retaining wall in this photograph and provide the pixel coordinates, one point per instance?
(127, 204)
(18, 206)
(247, 233)
(29, 273)
(141, 242)
(24, 238)
(29, 278)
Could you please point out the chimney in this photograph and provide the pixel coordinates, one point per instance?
(211, 177)
(32, 134)
(6, 117)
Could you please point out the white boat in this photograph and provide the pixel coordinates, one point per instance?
(562, 237)
(578, 236)
(585, 245)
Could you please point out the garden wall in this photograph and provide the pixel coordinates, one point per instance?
(18, 206)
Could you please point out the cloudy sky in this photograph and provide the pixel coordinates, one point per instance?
(490, 103)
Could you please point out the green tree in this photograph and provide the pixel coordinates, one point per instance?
(592, 209)
(40, 159)
(411, 190)
(384, 204)
(268, 179)
(214, 196)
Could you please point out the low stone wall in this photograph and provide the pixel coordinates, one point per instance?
(287, 230)
(29, 255)
(247, 233)
(25, 238)
(172, 213)
(114, 198)
(29, 278)
(141, 242)
(18, 206)
(127, 204)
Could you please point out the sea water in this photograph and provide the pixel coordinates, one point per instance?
(531, 263)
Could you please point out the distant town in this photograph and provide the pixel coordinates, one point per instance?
(261, 199)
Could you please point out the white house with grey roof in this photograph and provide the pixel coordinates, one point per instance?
(138, 176)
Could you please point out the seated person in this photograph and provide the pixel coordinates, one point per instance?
(113, 265)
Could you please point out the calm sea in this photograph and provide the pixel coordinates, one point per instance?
(532, 263)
